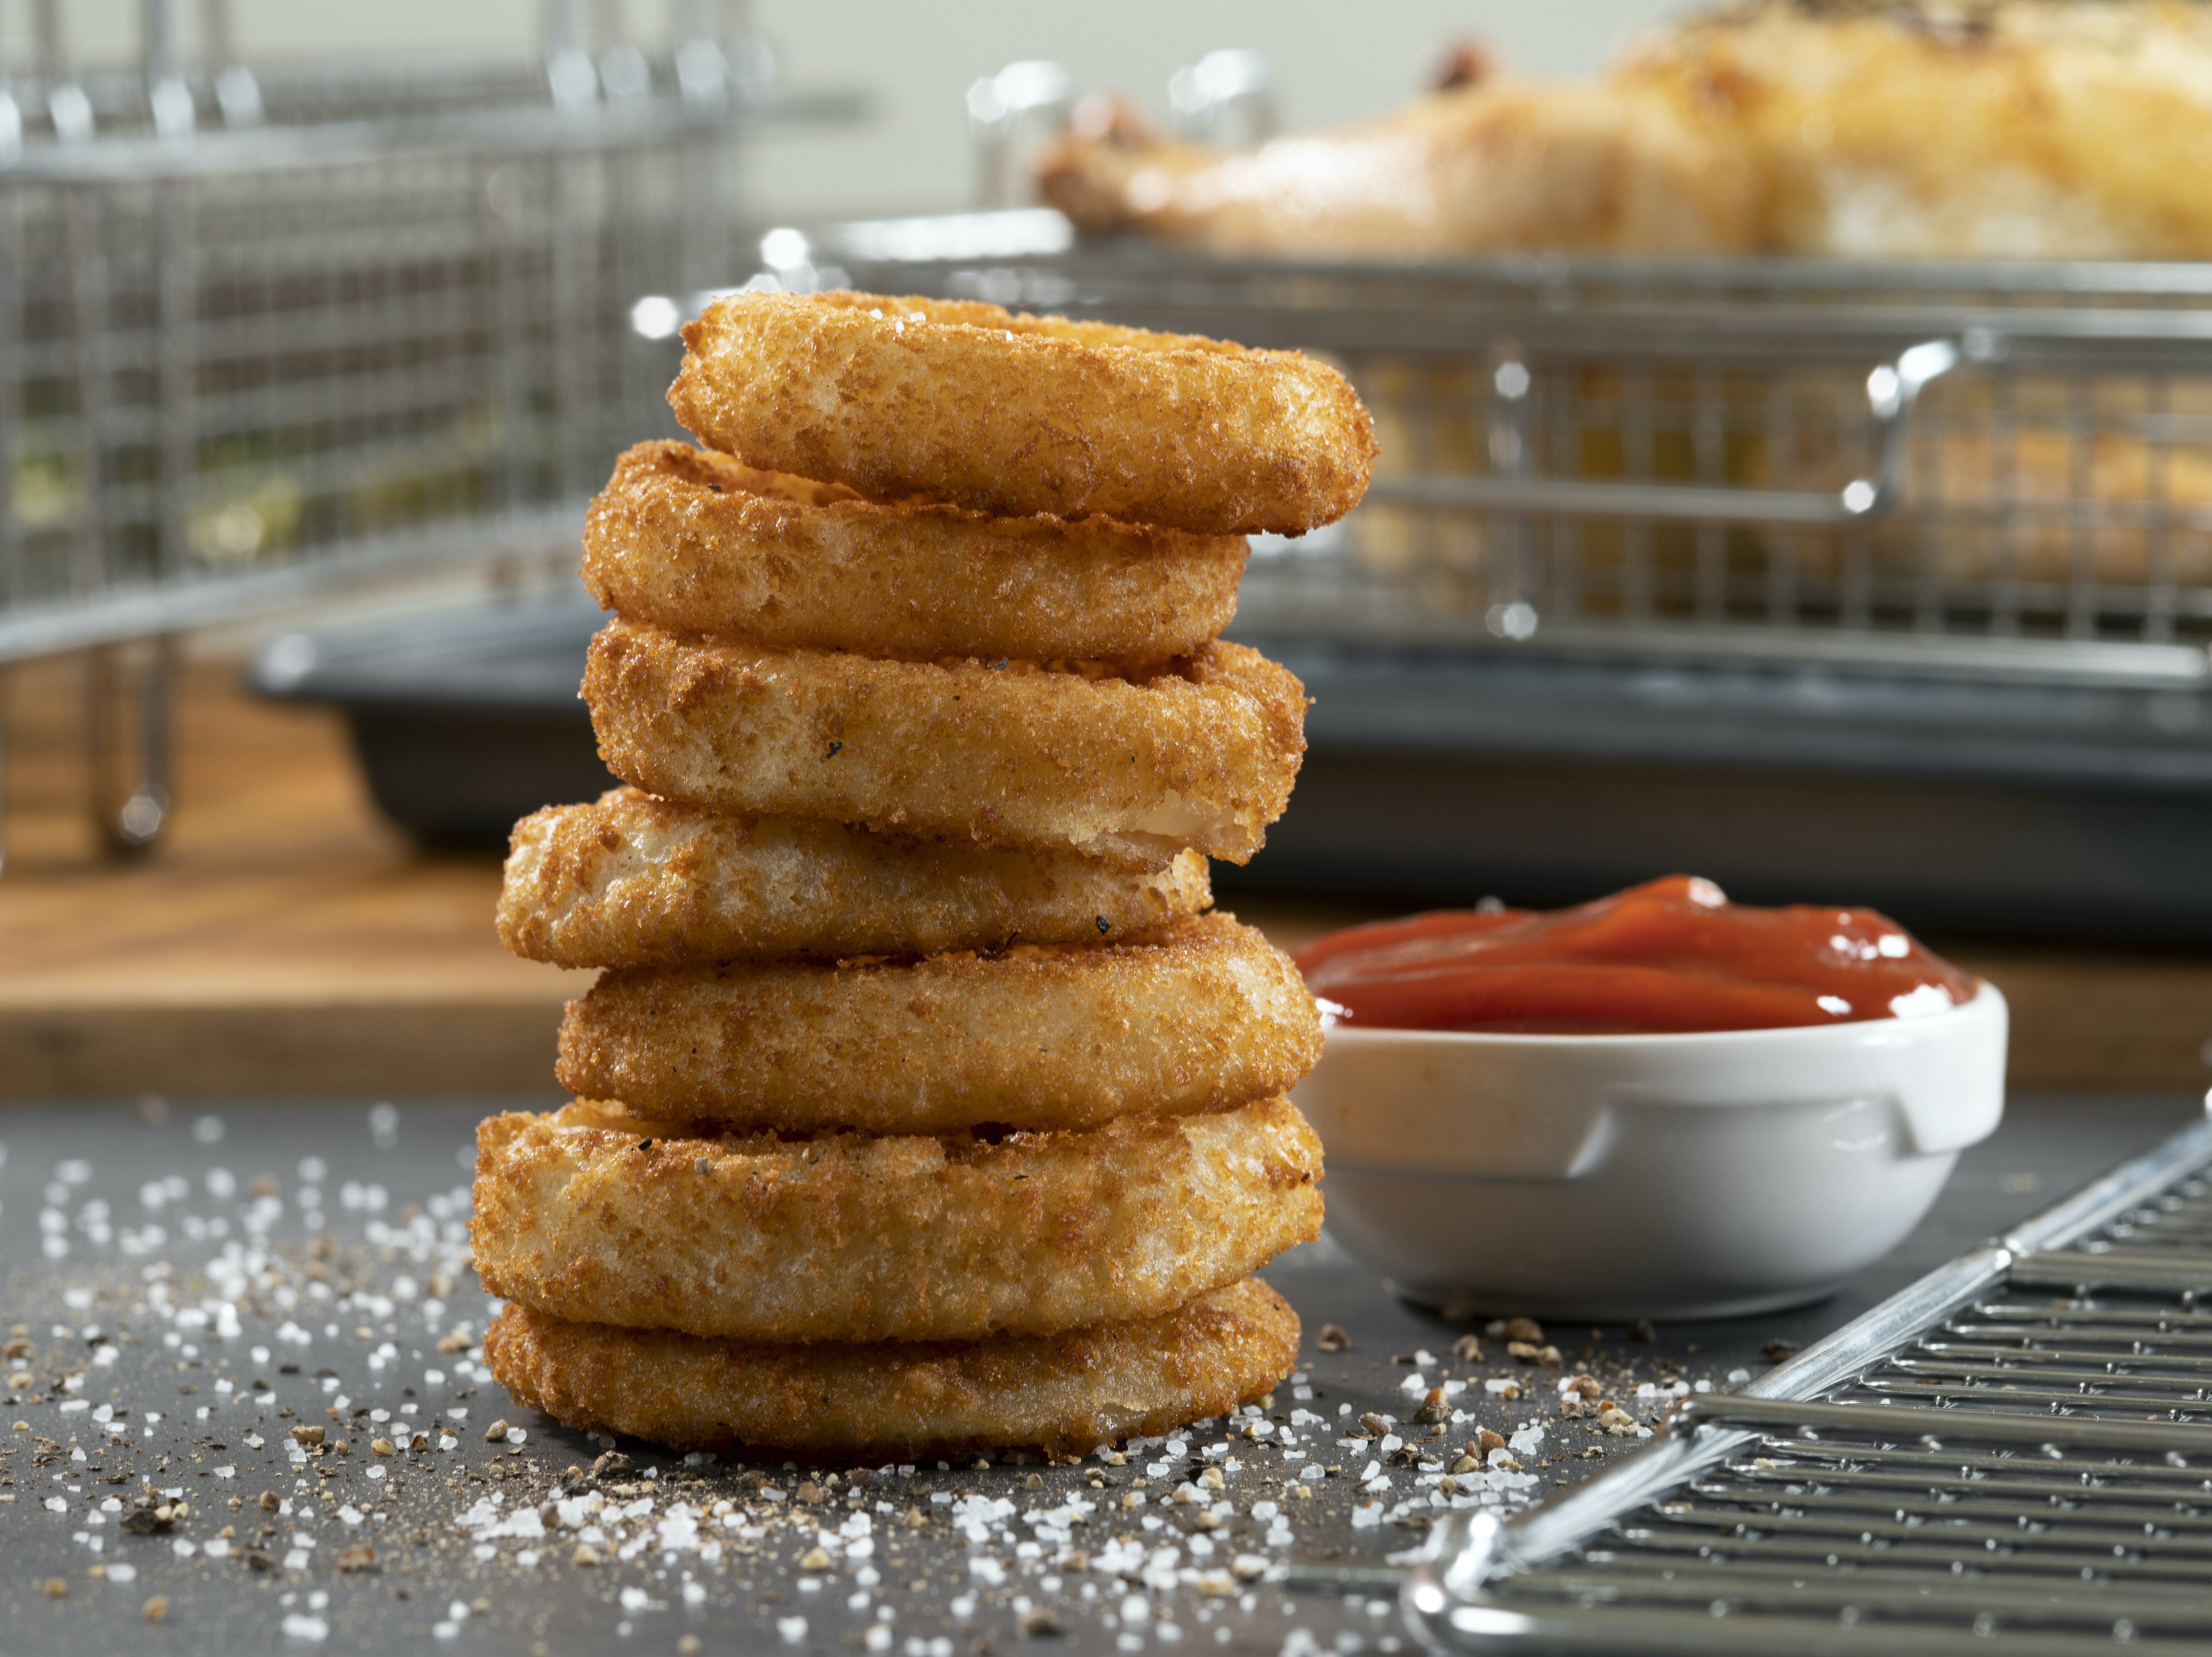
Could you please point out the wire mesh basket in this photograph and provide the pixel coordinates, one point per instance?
(1884, 584)
(1998, 468)
(235, 363)
(264, 335)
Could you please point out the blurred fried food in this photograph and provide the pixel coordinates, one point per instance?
(2076, 128)
(1470, 169)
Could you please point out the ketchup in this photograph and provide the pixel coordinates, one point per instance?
(1670, 956)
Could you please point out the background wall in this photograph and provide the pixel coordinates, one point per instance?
(1333, 63)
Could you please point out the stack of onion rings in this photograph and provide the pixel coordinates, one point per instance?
(933, 1111)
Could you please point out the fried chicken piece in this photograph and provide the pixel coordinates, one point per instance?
(2029, 129)
(1475, 167)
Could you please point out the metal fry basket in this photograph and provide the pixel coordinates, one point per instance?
(1934, 525)
(261, 336)
(1948, 464)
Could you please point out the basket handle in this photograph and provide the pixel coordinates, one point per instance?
(1892, 390)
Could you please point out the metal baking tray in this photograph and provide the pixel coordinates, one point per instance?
(463, 722)
(1442, 776)
(1964, 806)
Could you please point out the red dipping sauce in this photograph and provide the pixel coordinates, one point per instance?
(1668, 956)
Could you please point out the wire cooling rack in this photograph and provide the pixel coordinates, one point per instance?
(2014, 1453)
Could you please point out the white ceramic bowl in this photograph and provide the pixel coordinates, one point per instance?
(1612, 1177)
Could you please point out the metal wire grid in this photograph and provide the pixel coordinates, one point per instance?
(2034, 505)
(252, 357)
(1638, 455)
(2019, 1464)
(370, 322)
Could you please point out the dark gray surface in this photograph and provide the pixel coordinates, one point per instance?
(1955, 805)
(2048, 1144)
(462, 722)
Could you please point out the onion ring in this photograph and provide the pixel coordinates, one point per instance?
(1202, 1015)
(633, 881)
(697, 541)
(1017, 414)
(846, 1237)
(1065, 1393)
(1199, 754)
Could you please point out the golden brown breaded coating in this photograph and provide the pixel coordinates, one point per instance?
(690, 539)
(600, 1217)
(1199, 754)
(633, 881)
(1066, 1393)
(1202, 1015)
(1017, 414)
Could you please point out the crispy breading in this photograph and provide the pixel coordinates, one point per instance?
(690, 539)
(633, 881)
(1861, 131)
(1203, 1014)
(1201, 753)
(1066, 1393)
(1016, 414)
(2005, 131)
(600, 1217)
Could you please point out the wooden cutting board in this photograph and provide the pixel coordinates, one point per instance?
(280, 939)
